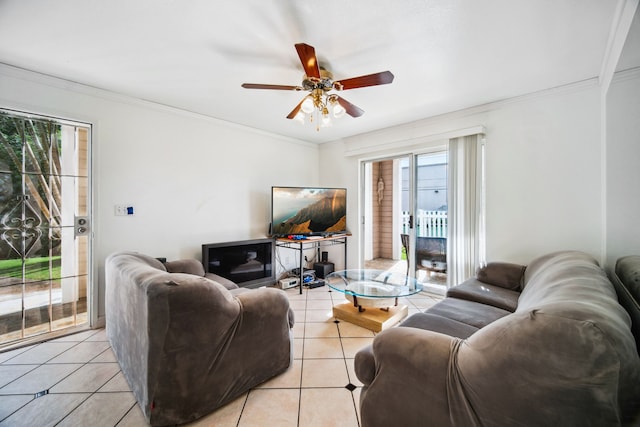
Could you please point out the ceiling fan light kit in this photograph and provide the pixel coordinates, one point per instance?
(320, 104)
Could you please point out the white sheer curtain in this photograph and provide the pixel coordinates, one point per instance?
(465, 243)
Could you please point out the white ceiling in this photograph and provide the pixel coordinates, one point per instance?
(195, 54)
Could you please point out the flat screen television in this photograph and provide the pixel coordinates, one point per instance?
(308, 211)
(247, 263)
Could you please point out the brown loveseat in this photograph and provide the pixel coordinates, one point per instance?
(187, 344)
(542, 345)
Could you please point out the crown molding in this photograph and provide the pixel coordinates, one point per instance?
(624, 75)
(12, 71)
(427, 130)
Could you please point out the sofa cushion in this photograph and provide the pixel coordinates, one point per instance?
(195, 267)
(469, 312)
(496, 296)
(436, 323)
(503, 274)
(189, 266)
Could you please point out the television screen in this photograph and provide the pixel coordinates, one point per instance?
(248, 263)
(308, 210)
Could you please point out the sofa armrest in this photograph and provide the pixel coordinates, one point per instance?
(403, 348)
(502, 274)
(405, 375)
(365, 365)
(263, 303)
(214, 343)
(262, 339)
(626, 280)
(222, 280)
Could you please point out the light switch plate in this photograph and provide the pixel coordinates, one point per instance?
(123, 210)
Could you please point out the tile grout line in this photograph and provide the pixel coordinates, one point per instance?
(135, 403)
(43, 364)
(71, 411)
(304, 337)
(47, 390)
(90, 393)
(244, 404)
(346, 366)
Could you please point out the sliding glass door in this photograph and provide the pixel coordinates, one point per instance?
(45, 222)
(405, 216)
(430, 218)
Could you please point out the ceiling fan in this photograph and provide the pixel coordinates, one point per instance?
(319, 82)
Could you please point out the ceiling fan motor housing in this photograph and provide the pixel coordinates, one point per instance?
(325, 82)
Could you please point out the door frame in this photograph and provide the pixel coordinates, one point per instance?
(366, 200)
(92, 289)
(365, 197)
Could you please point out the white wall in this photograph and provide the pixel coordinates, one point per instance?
(194, 180)
(191, 179)
(543, 169)
(623, 166)
(544, 187)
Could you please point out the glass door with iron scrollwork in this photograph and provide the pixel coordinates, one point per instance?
(44, 225)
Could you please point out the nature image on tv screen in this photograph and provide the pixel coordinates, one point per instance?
(309, 210)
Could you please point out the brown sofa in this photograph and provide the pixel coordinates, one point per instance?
(188, 344)
(542, 345)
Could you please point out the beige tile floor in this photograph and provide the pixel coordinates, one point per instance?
(84, 385)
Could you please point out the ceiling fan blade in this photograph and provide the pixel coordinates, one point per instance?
(275, 87)
(308, 58)
(383, 78)
(351, 109)
(294, 112)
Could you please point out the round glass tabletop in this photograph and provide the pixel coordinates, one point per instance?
(363, 283)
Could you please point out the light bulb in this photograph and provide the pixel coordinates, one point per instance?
(326, 119)
(299, 117)
(307, 105)
(338, 111)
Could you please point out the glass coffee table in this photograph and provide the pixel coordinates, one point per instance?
(372, 296)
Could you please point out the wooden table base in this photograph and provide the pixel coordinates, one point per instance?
(375, 319)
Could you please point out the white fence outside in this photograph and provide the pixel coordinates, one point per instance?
(427, 223)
